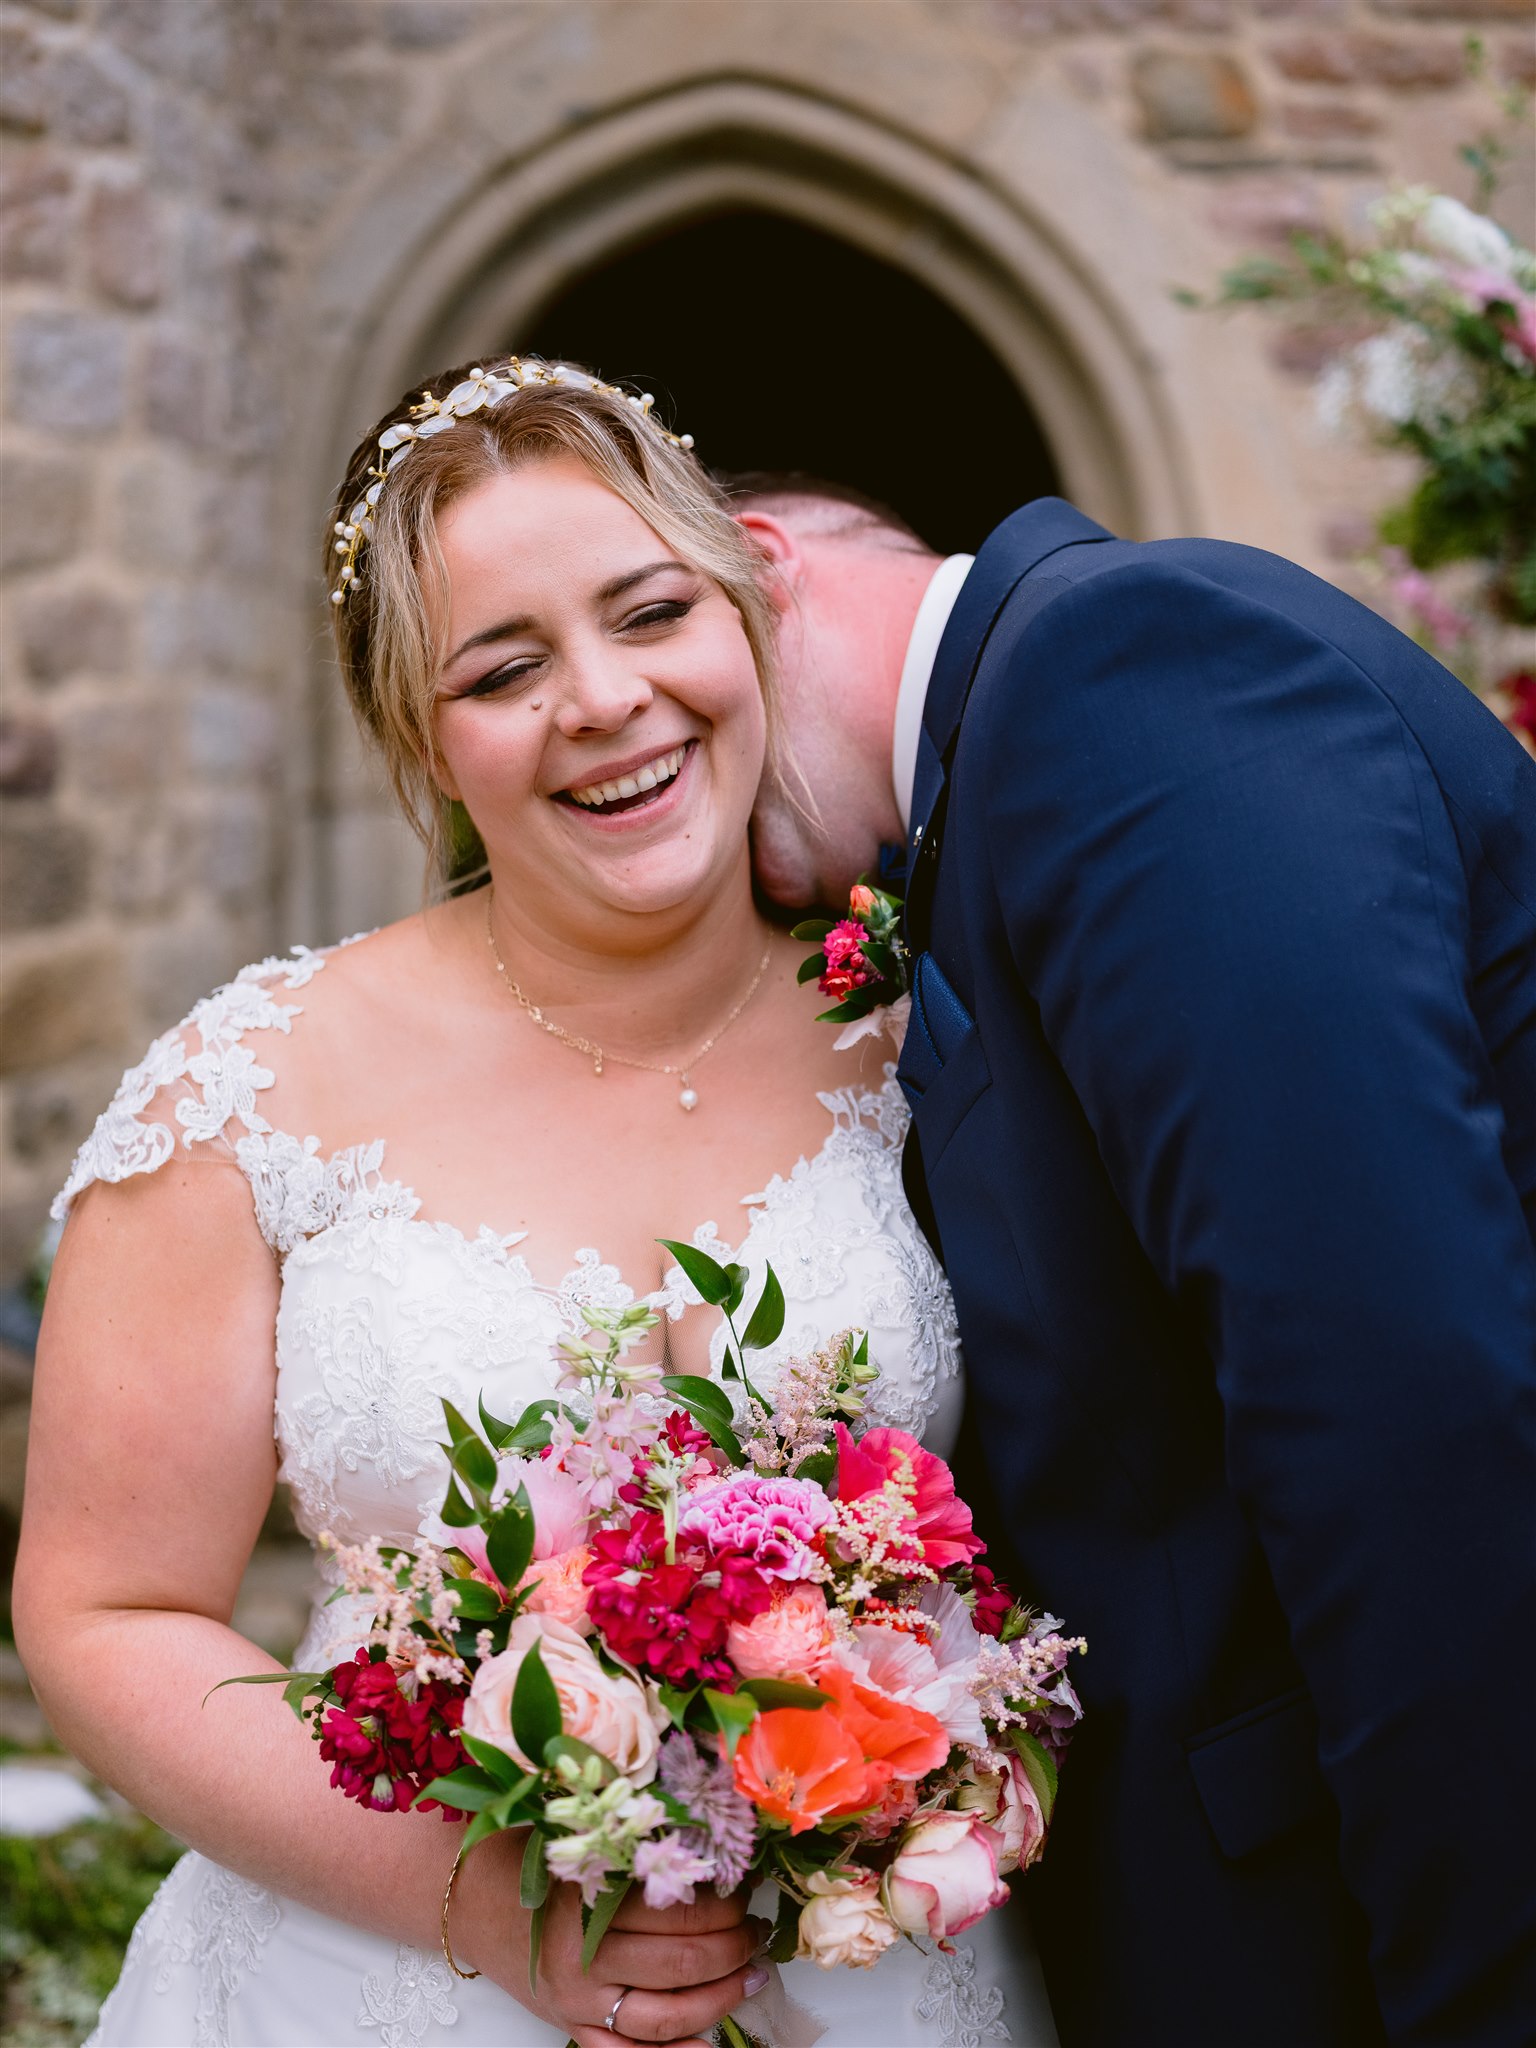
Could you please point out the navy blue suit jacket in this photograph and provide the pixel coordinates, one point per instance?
(1223, 1070)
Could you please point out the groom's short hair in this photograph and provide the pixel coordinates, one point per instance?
(815, 504)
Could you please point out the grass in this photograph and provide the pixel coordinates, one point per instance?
(68, 1904)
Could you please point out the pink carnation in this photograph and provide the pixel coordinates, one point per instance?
(772, 1521)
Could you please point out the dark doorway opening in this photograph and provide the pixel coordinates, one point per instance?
(779, 347)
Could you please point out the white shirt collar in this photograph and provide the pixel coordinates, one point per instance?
(916, 673)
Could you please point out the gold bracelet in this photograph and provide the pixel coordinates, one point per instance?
(453, 1878)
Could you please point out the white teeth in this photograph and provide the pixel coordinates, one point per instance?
(652, 776)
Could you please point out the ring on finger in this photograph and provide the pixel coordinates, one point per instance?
(611, 2023)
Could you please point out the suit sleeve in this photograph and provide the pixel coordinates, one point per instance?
(1231, 884)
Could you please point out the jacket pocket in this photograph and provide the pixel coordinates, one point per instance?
(943, 1068)
(1257, 1775)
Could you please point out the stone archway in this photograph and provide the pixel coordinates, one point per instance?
(507, 243)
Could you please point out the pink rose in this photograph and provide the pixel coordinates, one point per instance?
(558, 1589)
(944, 1877)
(790, 1639)
(843, 1924)
(940, 1521)
(609, 1713)
(1005, 1799)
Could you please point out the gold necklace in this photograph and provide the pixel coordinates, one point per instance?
(688, 1097)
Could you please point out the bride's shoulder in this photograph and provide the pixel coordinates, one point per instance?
(236, 1064)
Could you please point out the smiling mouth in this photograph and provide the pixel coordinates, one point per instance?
(630, 792)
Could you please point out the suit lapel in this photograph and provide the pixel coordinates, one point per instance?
(1009, 553)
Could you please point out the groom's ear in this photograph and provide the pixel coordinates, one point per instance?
(778, 546)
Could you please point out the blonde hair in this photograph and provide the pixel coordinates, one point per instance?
(386, 642)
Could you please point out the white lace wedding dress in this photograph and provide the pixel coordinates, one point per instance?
(381, 1312)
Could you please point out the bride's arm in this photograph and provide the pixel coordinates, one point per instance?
(151, 1465)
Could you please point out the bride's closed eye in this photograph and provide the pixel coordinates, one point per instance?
(664, 612)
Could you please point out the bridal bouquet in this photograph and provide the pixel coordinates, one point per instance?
(688, 1643)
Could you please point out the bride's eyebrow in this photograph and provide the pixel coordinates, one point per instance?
(508, 629)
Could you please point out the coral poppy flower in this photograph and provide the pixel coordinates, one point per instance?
(940, 1521)
(910, 1742)
(801, 1765)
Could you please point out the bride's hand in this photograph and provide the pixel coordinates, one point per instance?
(683, 1968)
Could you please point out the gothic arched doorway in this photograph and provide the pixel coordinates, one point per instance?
(778, 346)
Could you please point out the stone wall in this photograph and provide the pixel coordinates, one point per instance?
(204, 203)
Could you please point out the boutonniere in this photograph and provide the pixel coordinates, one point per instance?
(861, 963)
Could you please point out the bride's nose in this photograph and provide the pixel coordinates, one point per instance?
(603, 692)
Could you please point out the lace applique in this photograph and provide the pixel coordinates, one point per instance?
(219, 1935)
(591, 1284)
(376, 1410)
(298, 1193)
(418, 1993)
(120, 1145)
(969, 2013)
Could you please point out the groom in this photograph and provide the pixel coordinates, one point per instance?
(1222, 1063)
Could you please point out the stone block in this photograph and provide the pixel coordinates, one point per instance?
(45, 869)
(142, 866)
(1192, 95)
(36, 215)
(118, 750)
(29, 756)
(80, 630)
(1517, 63)
(52, 1111)
(234, 849)
(43, 501)
(176, 389)
(71, 999)
(1268, 210)
(427, 24)
(184, 40)
(1401, 63)
(85, 103)
(160, 520)
(1328, 120)
(69, 371)
(1454, 10)
(122, 244)
(23, 82)
(228, 733)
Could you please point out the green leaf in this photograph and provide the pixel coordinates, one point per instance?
(811, 930)
(820, 1466)
(596, 1918)
(738, 1277)
(708, 1275)
(468, 1791)
(506, 1770)
(675, 1702)
(509, 1536)
(699, 1392)
(480, 1829)
(1038, 1768)
(475, 1466)
(496, 1431)
(734, 1713)
(580, 1752)
(475, 1600)
(458, 1429)
(786, 1932)
(535, 1943)
(719, 1432)
(509, 1810)
(535, 1705)
(290, 1681)
(782, 1692)
(813, 968)
(767, 1318)
(457, 1512)
(533, 1884)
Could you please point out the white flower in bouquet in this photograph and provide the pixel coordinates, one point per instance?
(1468, 238)
(843, 1925)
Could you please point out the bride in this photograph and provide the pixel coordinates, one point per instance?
(352, 1182)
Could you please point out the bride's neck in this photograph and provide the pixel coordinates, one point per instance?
(661, 981)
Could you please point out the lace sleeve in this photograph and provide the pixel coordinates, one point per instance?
(195, 1090)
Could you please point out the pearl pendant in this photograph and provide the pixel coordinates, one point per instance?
(687, 1097)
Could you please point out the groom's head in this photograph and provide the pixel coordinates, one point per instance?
(847, 577)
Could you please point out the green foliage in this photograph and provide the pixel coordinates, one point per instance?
(68, 1904)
